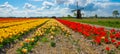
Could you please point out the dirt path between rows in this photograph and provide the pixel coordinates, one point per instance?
(17, 45)
(64, 46)
(73, 44)
(13, 49)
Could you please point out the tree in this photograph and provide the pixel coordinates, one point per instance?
(96, 15)
(75, 14)
(115, 13)
(83, 14)
(69, 16)
(53, 17)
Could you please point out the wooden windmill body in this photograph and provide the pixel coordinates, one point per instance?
(79, 15)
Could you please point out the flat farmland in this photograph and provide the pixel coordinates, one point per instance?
(115, 23)
(57, 36)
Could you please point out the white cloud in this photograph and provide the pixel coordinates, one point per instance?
(80, 2)
(57, 8)
(54, 12)
(98, 0)
(107, 4)
(8, 6)
(104, 9)
(54, 8)
(28, 6)
(46, 3)
(36, 0)
(7, 9)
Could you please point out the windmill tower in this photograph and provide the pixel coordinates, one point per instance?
(79, 14)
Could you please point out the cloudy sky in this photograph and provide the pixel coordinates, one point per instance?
(28, 8)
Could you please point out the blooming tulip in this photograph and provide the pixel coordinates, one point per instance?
(107, 48)
(24, 50)
(113, 40)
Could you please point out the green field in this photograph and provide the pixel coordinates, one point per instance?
(115, 23)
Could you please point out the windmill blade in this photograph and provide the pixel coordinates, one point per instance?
(77, 5)
(73, 10)
(82, 8)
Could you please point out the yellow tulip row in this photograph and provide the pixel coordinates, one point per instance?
(19, 29)
(52, 24)
(14, 23)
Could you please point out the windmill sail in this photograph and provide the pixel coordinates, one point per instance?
(79, 15)
(77, 5)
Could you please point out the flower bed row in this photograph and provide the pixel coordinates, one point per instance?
(99, 35)
(49, 29)
(5, 25)
(7, 20)
(12, 33)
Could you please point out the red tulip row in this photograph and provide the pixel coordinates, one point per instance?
(97, 34)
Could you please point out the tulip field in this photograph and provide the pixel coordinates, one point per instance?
(55, 36)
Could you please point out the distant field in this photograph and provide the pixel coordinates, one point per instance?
(115, 23)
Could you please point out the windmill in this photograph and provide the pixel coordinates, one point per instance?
(79, 15)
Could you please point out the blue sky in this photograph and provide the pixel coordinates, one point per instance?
(34, 8)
